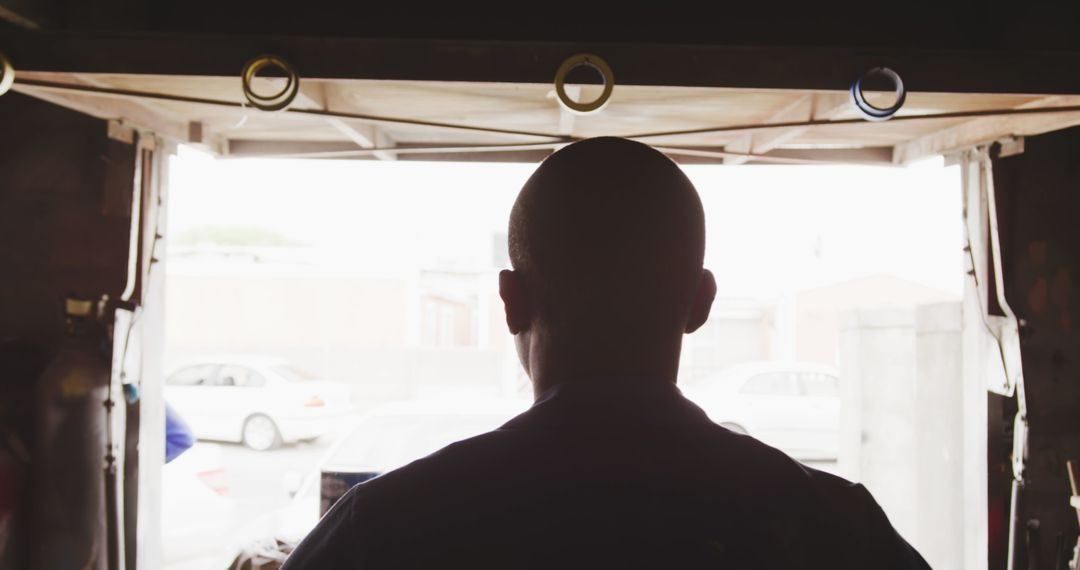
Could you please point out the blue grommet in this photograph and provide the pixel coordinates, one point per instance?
(870, 112)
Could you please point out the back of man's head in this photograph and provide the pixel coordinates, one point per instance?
(609, 237)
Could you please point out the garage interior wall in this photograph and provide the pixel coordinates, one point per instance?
(990, 24)
(65, 186)
(1038, 198)
(65, 218)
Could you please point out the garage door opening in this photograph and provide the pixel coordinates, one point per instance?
(903, 358)
(327, 321)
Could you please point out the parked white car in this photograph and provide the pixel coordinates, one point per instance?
(197, 513)
(793, 407)
(258, 401)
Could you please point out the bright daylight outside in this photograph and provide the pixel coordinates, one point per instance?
(328, 321)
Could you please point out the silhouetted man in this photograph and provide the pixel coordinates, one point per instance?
(611, 467)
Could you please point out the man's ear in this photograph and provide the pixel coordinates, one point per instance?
(515, 301)
(703, 300)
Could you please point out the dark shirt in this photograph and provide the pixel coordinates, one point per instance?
(607, 474)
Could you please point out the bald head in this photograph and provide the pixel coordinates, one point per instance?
(608, 236)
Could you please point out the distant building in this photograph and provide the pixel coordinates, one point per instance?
(390, 334)
(738, 330)
(817, 309)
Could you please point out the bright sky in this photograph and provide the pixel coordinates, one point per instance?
(771, 229)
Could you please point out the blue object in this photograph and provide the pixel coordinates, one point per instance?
(131, 393)
(178, 436)
(870, 112)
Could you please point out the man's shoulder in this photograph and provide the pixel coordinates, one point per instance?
(507, 455)
(457, 463)
(481, 484)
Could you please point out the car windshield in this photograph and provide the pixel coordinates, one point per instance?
(294, 373)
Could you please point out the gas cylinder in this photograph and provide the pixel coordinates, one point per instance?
(21, 364)
(68, 520)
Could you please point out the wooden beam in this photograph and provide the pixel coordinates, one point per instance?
(112, 110)
(260, 147)
(364, 135)
(566, 118)
(312, 95)
(816, 106)
(988, 129)
(240, 148)
(742, 143)
(987, 71)
(139, 114)
(195, 135)
(868, 155)
(294, 149)
(807, 107)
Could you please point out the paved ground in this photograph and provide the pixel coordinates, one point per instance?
(257, 482)
(257, 478)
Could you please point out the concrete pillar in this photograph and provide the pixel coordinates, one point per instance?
(784, 329)
(413, 316)
(877, 370)
(939, 425)
(904, 421)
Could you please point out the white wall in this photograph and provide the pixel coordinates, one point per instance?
(904, 424)
(877, 367)
(939, 396)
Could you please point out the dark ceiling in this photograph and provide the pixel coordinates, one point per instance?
(946, 24)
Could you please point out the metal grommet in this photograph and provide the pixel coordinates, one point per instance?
(276, 101)
(594, 62)
(870, 112)
(7, 74)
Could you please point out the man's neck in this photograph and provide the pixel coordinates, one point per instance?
(543, 389)
(548, 370)
(549, 367)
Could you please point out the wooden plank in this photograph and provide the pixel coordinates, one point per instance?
(143, 115)
(263, 147)
(293, 149)
(798, 110)
(987, 71)
(820, 106)
(804, 108)
(365, 135)
(988, 129)
(112, 110)
(877, 155)
(742, 143)
(194, 135)
(566, 117)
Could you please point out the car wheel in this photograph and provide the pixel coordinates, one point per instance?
(734, 427)
(260, 433)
